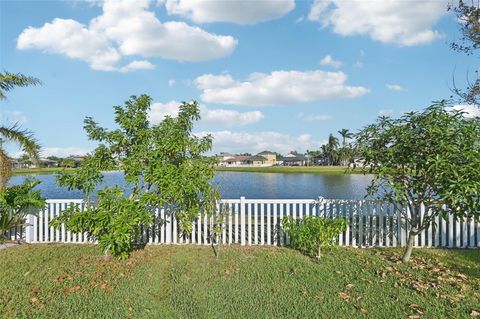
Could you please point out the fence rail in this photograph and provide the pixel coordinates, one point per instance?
(259, 222)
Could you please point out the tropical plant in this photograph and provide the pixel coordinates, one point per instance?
(13, 132)
(429, 158)
(15, 204)
(312, 233)
(163, 164)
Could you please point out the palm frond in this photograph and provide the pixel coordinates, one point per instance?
(9, 81)
(22, 137)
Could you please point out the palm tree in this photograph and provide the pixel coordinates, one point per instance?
(345, 133)
(8, 81)
(14, 133)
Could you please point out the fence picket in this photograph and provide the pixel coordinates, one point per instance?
(259, 222)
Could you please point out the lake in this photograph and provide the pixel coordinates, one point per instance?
(251, 185)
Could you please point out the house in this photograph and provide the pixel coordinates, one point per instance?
(294, 160)
(236, 160)
(269, 156)
(45, 162)
(257, 160)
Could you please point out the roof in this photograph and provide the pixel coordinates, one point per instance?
(266, 153)
(257, 158)
(294, 158)
(237, 158)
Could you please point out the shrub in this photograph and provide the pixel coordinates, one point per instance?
(310, 234)
(15, 202)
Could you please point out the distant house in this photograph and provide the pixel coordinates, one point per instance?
(225, 156)
(236, 160)
(294, 160)
(257, 160)
(269, 156)
(45, 162)
(16, 164)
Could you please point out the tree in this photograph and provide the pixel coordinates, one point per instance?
(8, 81)
(345, 153)
(14, 133)
(163, 164)
(346, 134)
(429, 158)
(468, 17)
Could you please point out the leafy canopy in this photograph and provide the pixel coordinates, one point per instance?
(163, 164)
(430, 157)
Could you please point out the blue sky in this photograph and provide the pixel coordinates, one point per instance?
(278, 75)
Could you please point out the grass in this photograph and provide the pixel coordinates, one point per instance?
(61, 281)
(336, 170)
(46, 170)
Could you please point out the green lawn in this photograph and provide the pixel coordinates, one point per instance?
(47, 170)
(293, 169)
(61, 281)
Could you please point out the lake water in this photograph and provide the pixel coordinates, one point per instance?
(251, 185)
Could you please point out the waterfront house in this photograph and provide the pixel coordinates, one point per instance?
(269, 156)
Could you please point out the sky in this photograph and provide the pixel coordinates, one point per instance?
(277, 75)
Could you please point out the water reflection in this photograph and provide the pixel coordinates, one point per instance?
(250, 185)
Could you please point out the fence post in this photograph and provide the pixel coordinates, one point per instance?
(29, 228)
(242, 220)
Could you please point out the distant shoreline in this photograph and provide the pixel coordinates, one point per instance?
(327, 170)
(334, 170)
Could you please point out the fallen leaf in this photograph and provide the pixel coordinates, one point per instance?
(349, 286)
(34, 299)
(34, 292)
(344, 296)
(59, 279)
(364, 311)
(475, 314)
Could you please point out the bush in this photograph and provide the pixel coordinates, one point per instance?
(15, 202)
(311, 233)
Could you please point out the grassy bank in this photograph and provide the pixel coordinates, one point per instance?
(293, 169)
(272, 169)
(60, 281)
(48, 170)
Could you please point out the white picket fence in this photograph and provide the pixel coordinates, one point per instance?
(259, 222)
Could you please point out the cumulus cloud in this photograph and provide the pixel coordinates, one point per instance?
(278, 87)
(64, 151)
(239, 12)
(470, 110)
(314, 117)
(394, 87)
(221, 117)
(329, 61)
(254, 142)
(124, 29)
(171, 82)
(405, 23)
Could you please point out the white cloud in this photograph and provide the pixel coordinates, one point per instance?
(329, 61)
(405, 23)
(125, 28)
(313, 117)
(278, 87)
(394, 87)
(385, 112)
(63, 151)
(12, 117)
(137, 65)
(470, 111)
(222, 117)
(254, 142)
(171, 82)
(239, 12)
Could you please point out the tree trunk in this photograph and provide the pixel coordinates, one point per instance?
(409, 248)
